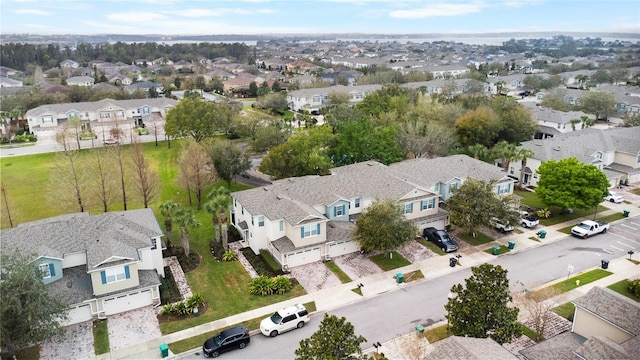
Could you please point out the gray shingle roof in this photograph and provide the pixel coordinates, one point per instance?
(599, 347)
(99, 236)
(464, 348)
(612, 307)
(99, 105)
(558, 347)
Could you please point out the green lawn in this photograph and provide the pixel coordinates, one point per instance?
(528, 332)
(503, 250)
(531, 199)
(387, 263)
(565, 310)
(413, 276)
(430, 246)
(571, 283)
(100, 337)
(344, 278)
(479, 239)
(621, 288)
(437, 333)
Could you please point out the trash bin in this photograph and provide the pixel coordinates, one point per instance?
(496, 250)
(542, 234)
(420, 329)
(625, 213)
(452, 262)
(512, 244)
(399, 278)
(605, 264)
(164, 350)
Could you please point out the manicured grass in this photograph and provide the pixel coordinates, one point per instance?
(413, 276)
(479, 239)
(621, 288)
(503, 250)
(531, 199)
(534, 238)
(100, 337)
(565, 310)
(344, 278)
(387, 263)
(430, 246)
(357, 291)
(437, 333)
(30, 353)
(528, 332)
(636, 191)
(570, 284)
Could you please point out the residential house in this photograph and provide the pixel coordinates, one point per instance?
(315, 98)
(440, 86)
(69, 64)
(98, 115)
(120, 79)
(145, 86)
(606, 325)
(307, 219)
(331, 77)
(8, 82)
(445, 71)
(553, 122)
(616, 151)
(80, 81)
(100, 265)
(467, 348)
(302, 67)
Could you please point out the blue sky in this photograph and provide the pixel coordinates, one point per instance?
(184, 17)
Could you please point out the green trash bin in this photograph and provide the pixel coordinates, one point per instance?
(399, 278)
(542, 234)
(625, 213)
(164, 350)
(512, 244)
(496, 250)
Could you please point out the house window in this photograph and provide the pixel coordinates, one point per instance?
(357, 201)
(316, 99)
(408, 208)
(598, 155)
(260, 221)
(115, 274)
(154, 244)
(46, 270)
(310, 230)
(511, 170)
(145, 111)
(105, 116)
(504, 188)
(638, 159)
(120, 114)
(338, 210)
(281, 225)
(427, 204)
(47, 120)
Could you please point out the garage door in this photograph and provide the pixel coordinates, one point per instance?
(342, 248)
(438, 224)
(79, 314)
(303, 257)
(124, 303)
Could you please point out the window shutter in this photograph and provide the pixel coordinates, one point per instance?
(52, 269)
(335, 211)
(126, 272)
(318, 229)
(302, 232)
(103, 275)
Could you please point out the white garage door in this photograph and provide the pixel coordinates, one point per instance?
(303, 257)
(127, 302)
(79, 314)
(438, 224)
(342, 248)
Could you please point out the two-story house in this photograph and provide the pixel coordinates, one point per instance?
(314, 99)
(307, 219)
(99, 265)
(553, 122)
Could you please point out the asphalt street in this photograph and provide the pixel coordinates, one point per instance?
(384, 317)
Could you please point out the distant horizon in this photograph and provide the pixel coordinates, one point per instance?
(305, 17)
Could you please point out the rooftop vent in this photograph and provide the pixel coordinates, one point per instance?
(265, 189)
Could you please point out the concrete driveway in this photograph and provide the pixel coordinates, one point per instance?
(77, 343)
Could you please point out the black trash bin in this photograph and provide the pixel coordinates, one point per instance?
(452, 262)
(605, 264)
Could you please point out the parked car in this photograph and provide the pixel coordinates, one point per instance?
(233, 338)
(496, 223)
(614, 197)
(589, 228)
(440, 238)
(528, 221)
(283, 320)
(110, 142)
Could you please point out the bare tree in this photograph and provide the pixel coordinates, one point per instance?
(538, 308)
(69, 187)
(101, 171)
(74, 124)
(147, 181)
(117, 154)
(5, 205)
(196, 170)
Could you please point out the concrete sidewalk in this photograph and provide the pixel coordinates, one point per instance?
(376, 284)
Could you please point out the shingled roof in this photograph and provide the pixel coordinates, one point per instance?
(612, 307)
(465, 348)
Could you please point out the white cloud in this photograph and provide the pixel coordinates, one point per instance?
(31, 12)
(135, 16)
(442, 9)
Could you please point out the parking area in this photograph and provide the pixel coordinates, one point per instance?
(133, 327)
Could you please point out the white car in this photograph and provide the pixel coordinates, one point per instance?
(283, 320)
(614, 197)
(528, 221)
(500, 226)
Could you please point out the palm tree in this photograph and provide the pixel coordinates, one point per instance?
(478, 150)
(218, 205)
(185, 220)
(522, 155)
(504, 151)
(167, 209)
(574, 122)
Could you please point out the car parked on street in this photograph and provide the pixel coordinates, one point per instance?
(614, 197)
(283, 320)
(233, 338)
(440, 238)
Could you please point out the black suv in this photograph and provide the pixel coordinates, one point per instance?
(440, 238)
(236, 337)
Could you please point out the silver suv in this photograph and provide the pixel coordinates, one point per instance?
(283, 320)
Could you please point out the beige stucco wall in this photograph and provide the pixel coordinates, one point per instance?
(588, 325)
(100, 289)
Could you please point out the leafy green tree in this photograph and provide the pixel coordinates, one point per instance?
(570, 184)
(602, 76)
(600, 103)
(554, 99)
(275, 103)
(228, 159)
(267, 137)
(360, 141)
(219, 202)
(275, 87)
(29, 314)
(334, 340)
(383, 226)
(200, 83)
(339, 98)
(167, 210)
(479, 126)
(336, 115)
(186, 220)
(481, 309)
(426, 138)
(516, 122)
(474, 203)
(523, 154)
(253, 89)
(198, 119)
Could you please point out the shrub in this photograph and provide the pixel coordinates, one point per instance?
(259, 264)
(229, 255)
(169, 309)
(260, 285)
(216, 249)
(196, 300)
(281, 284)
(543, 213)
(273, 264)
(634, 287)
